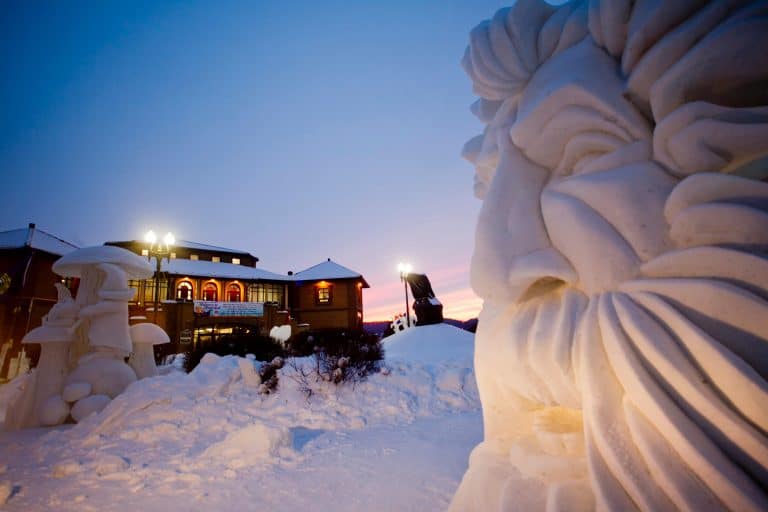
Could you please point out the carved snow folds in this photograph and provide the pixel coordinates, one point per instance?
(638, 284)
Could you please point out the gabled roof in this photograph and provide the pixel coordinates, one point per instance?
(36, 239)
(328, 270)
(200, 268)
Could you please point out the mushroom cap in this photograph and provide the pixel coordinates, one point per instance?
(149, 333)
(48, 334)
(72, 264)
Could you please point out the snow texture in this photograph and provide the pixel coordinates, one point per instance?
(202, 268)
(209, 441)
(36, 239)
(622, 351)
(326, 270)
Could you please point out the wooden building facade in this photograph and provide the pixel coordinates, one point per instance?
(26, 292)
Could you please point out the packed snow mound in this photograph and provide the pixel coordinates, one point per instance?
(431, 344)
(191, 440)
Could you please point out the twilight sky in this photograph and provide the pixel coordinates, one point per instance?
(295, 130)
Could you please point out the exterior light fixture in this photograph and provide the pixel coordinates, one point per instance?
(159, 251)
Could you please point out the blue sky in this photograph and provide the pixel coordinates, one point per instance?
(294, 130)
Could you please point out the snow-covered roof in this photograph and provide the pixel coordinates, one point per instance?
(36, 239)
(205, 247)
(201, 268)
(186, 244)
(328, 270)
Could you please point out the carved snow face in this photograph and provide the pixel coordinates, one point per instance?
(570, 191)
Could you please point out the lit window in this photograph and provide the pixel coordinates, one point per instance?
(216, 259)
(210, 292)
(184, 291)
(145, 252)
(173, 255)
(323, 295)
(235, 261)
(194, 257)
(149, 290)
(266, 292)
(233, 292)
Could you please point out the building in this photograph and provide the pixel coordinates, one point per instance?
(26, 291)
(205, 291)
(328, 295)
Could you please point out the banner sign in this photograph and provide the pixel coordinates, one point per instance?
(225, 309)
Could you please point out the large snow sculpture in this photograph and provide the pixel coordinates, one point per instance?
(622, 351)
(85, 341)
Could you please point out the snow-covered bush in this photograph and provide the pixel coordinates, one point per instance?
(238, 344)
(268, 374)
(340, 355)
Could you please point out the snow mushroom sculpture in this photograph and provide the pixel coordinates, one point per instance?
(622, 350)
(104, 339)
(145, 336)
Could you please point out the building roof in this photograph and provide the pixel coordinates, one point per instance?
(201, 268)
(36, 239)
(205, 247)
(186, 244)
(328, 270)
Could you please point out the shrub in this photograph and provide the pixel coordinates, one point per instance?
(268, 374)
(237, 344)
(340, 355)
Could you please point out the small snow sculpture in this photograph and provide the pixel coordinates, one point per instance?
(622, 350)
(400, 323)
(280, 333)
(33, 406)
(145, 336)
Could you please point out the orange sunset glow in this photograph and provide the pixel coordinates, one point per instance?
(386, 299)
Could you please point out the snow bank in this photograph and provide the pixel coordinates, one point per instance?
(179, 435)
(431, 344)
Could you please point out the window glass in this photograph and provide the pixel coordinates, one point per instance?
(266, 292)
(210, 292)
(233, 293)
(323, 295)
(184, 291)
(149, 290)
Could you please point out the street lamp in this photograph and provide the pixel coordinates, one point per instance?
(159, 250)
(405, 269)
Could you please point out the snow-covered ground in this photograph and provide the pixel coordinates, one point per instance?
(208, 441)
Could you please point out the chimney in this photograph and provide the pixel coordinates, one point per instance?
(30, 234)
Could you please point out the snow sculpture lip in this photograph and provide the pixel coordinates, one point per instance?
(72, 264)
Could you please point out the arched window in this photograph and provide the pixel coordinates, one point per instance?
(184, 291)
(210, 292)
(233, 292)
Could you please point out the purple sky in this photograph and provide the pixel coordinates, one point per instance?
(294, 130)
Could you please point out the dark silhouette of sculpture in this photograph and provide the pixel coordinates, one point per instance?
(428, 309)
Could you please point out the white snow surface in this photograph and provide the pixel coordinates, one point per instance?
(208, 441)
(326, 270)
(36, 239)
(431, 344)
(203, 268)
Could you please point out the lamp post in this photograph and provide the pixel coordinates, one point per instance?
(405, 269)
(159, 250)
